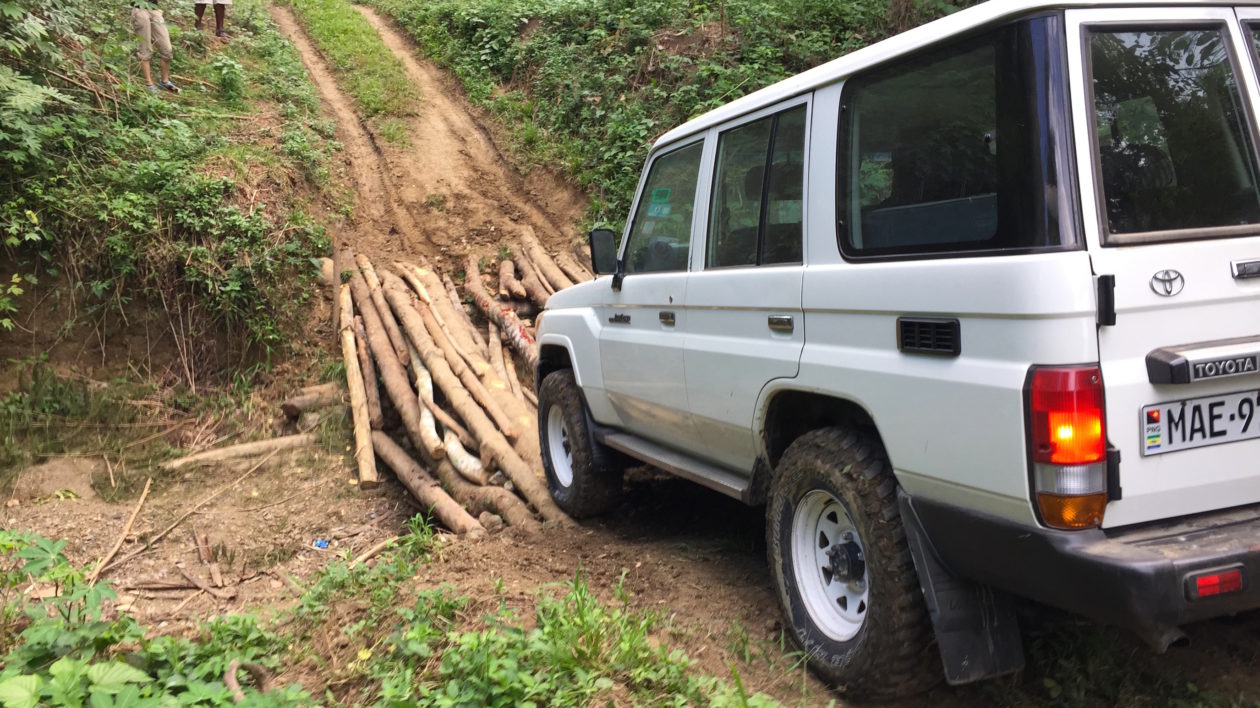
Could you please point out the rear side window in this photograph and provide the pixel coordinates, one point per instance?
(660, 235)
(955, 151)
(756, 212)
(1173, 148)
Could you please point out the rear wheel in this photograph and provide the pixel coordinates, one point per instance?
(842, 568)
(584, 476)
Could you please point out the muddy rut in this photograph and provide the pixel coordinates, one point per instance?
(447, 189)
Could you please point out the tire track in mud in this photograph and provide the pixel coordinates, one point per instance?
(446, 191)
(459, 158)
(376, 209)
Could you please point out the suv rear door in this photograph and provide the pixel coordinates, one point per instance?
(745, 325)
(1164, 103)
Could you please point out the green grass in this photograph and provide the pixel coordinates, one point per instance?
(364, 66)
(402, 646)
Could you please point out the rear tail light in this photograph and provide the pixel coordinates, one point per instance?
(1214, 582)
(1069, 448)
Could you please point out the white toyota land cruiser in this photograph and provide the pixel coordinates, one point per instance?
(974, 311)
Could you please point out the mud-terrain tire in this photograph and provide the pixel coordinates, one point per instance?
(842, 569)
(584, 476)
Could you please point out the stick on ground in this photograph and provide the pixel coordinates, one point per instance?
(149, 543)
(249, 449)
(96, 573)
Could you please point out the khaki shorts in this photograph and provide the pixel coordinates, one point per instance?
(151, 29)
(213, 2)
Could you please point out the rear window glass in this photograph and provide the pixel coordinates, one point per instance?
(1174, 150)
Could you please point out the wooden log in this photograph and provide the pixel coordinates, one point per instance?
(506, 318)
(453, 293)
(538, 292)
(232, 452)
(424, 385)
(509, 286)
(370, 385)
(572, 268)
(514, 381)
(424, 388)
(488, 498)
(358, 395)
(467, 376)
(382, 309)
(392, 373)
(343, 263)
(436, 308)
(493, 444)
(444, 308)
(496, 350)
(425, 488)
(467, 465)
(312, 398)
(543, 262)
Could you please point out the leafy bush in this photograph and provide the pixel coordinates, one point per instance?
(70, 651)
(591, 83)
(119, 191)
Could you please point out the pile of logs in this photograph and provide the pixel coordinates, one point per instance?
(456, 395)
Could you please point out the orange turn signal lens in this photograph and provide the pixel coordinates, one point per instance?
(1072, 512)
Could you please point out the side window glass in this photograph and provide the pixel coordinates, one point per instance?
(660, 235)
(737, 186)
(925, 179)
(1173, 147)
(755, 213)
(784, 198)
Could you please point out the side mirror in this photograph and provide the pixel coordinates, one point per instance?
(603, 251)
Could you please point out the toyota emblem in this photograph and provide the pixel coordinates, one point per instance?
(1167, 283)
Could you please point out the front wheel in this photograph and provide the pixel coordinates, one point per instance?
(584, 476)
(842, 569)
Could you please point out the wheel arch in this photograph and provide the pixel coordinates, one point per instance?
(553, 356)
(788, 414)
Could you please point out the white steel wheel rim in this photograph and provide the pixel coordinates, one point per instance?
(821, 527)
(558, 446)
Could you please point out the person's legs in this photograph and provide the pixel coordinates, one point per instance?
(220, 15)
(144, 31)
(199, 9)
(162, 40)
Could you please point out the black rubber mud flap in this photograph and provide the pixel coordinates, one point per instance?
(976, 629)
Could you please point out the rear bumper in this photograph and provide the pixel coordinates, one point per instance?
(1134, 577)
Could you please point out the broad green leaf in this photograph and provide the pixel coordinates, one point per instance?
(20, 692)
(112, 677)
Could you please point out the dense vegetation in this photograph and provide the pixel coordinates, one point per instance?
(125, 205)
(589, 84)
(406, 646)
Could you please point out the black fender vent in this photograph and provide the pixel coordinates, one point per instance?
(927, 335)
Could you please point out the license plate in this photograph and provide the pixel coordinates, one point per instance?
(1198, 422)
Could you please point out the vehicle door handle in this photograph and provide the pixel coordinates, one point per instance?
(667, 318)
(780, 323)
